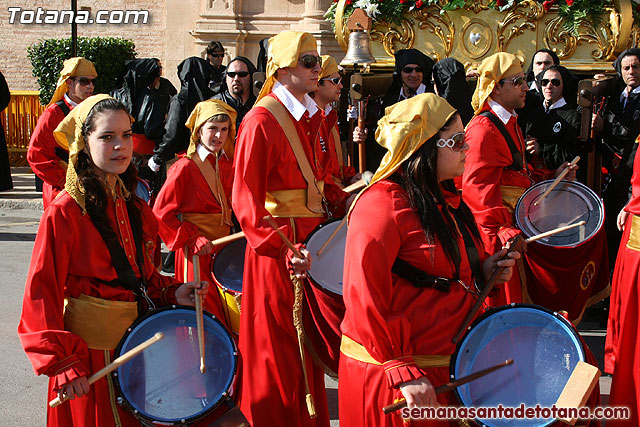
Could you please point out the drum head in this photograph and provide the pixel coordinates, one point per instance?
(164, 382)
(326, 268)
(544, 347)
(228, 265)
(568, 203)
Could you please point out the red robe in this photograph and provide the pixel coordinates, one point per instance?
(70, 258)
(186, 191)
(42, 157)
(344, 173)
(622, 347)
(387, 314)
(272, 386)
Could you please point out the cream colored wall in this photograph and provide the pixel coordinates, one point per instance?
(176, 30)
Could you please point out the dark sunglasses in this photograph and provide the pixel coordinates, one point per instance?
(232, 74)
(410, 70)
(310, 61)
(335, 80)
(85, 81)
(217, 55)
(456, 142)
(516, 81)
(555, 82)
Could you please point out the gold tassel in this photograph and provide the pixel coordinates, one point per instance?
(297, 322)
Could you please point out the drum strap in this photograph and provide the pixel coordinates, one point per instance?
(61, 152)
(518, 160)
(470, 249)
(419, 278)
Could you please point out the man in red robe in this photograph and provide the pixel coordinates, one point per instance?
(283, 174)
(47, 159)
(497, 174)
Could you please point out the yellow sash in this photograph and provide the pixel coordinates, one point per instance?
(99, 322)
(634, 234)
(354, 350)
(212, 176)
(510, 196)
(314, 191)
(211, 226)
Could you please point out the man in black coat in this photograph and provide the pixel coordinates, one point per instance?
(6, 183)
(236, 88)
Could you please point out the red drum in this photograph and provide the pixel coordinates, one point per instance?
(570, 270)
(324, 310)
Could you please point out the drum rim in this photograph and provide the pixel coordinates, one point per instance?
(572, 329)
(306, 241)
(138, 414)
(579, 184)
(214, 255)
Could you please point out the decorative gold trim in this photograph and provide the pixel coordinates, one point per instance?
(428, 18)
(389, 35)
(603, 37)
(112, 392)
(528, 10)
(477, 6)
(463, 40)
(342, 34)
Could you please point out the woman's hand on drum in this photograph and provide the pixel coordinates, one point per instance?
(78, 387)
(622, 219)
(498, 260)
(300, 266)
(419, 393)
(186, 293)
(571, 175)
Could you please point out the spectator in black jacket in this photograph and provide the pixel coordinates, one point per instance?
(451, 84)
(194, 74)
(236, 88)
(215, 55)
(6, 183)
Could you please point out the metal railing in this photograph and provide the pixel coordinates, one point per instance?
(18, 121)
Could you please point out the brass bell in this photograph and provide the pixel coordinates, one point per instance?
(358, 50)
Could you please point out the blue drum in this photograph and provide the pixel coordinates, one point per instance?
(545, 349)
(163, 385)
(227, 269)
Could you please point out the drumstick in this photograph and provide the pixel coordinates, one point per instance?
(554, 231)
(557, 180)
(487, 288)
(199, 319)
(269, 220)
(115, 364)
(361, 183)
(453, 384)
(226, 239)
(342, 223)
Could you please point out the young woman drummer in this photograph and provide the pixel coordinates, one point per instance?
(410, 218)
(92, 272)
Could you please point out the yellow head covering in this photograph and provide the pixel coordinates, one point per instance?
(405, 126)
(284, 50)
(204, 111)
(493, 69)
(68, 134)
(329, 66)
(72, 67)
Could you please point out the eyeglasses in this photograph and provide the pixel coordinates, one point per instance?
(310, 61)
(232, 74)
(217, 55)
(85, 81)
(555, 82)
(516, 81)
(456, 142)
(335, 80)
(410, 70)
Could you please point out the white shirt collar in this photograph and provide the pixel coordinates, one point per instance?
(533, 86)
(327, 109)
(69, 101)
(295, 107)
(203, 153)
(501, 112)
(625, 94)
(559, 103)
(421, 89)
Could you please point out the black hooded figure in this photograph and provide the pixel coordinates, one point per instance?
(403, 58)
(621, 127)
(194, 74)
(262, 55)
(451, 83)
(529, 73)
(143, 105)
(225, 95)
(557, 126)
(534, 96)
(6, 182)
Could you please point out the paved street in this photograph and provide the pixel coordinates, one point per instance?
(23, 402)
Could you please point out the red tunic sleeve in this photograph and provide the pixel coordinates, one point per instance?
(41, 154)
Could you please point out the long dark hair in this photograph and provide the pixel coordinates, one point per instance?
(96, 197)
(420, 180)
